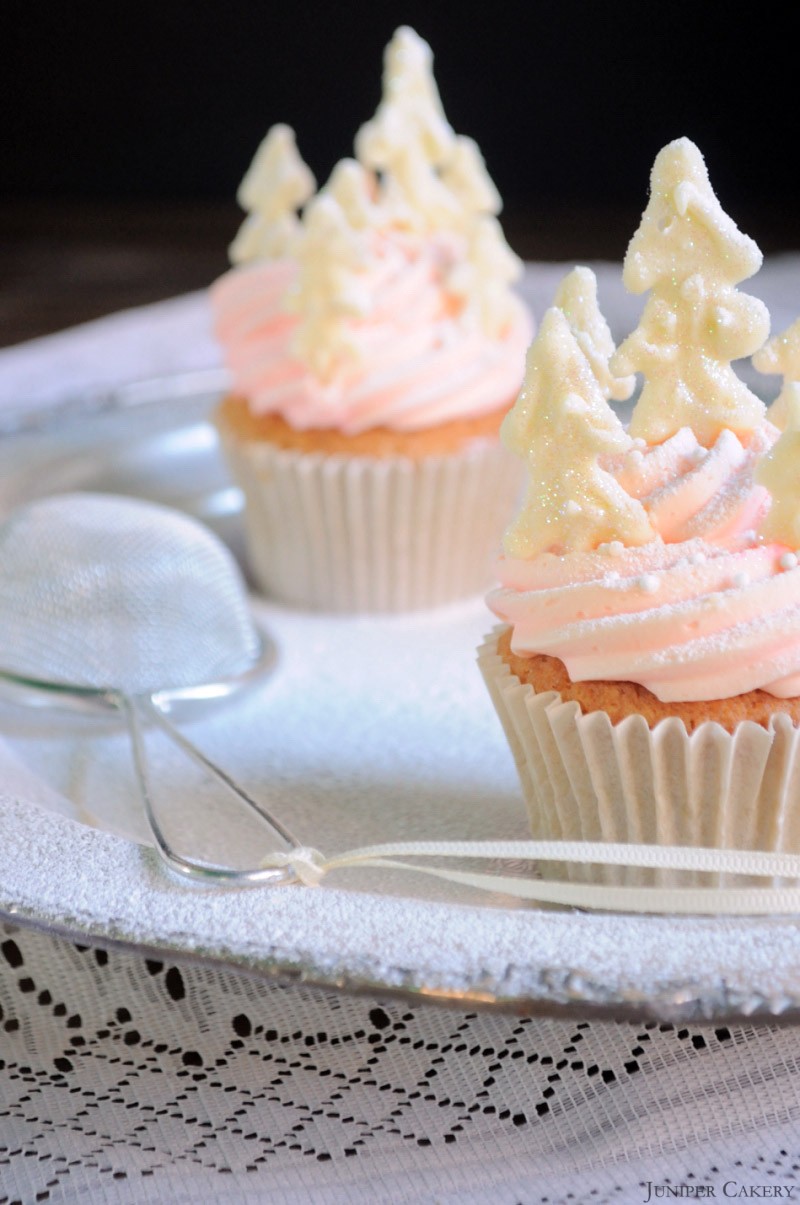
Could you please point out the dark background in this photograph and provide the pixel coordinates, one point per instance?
(128, 127)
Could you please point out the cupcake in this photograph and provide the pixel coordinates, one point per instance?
(374, 343)
(647, 671)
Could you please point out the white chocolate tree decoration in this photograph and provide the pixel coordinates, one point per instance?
(562, 424)
(691, 255)
(409, 138)
(413, 196)
(464, 173)
(431, 181)
(328, 292)
(782, 355)
(576, 297)
(483, 278)
(410, 111)
(778, 471)
(276, 184)
(430, 177)
(352, 186)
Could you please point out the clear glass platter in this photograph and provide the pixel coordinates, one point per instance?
(371, 729)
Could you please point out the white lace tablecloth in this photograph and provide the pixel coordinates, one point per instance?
(127, 1078)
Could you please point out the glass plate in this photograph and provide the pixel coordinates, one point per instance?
(372, 729)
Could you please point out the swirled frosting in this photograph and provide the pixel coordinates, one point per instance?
(418, 359)
(704, 611)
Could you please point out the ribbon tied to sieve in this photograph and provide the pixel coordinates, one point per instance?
(308, 866)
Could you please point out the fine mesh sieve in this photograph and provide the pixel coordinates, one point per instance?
(123, 602)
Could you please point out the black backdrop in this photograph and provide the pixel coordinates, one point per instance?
(569, 101)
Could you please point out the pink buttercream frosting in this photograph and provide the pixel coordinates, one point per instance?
(418, 358)
(706, 610)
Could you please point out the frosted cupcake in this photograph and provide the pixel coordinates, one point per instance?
(374, 342)
(648, 671)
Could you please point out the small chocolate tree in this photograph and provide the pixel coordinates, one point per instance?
(561, 424)
(274, 187)
(691, 255)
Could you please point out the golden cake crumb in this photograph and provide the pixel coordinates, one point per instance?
(235, 415)
(621, 699)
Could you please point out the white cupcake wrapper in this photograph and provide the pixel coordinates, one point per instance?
(349, 534)
(586, 779)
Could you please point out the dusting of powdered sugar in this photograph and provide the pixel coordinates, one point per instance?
(373, 729)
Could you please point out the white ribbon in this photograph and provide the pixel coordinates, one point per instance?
(310, 867)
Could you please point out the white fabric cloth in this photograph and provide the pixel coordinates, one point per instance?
(131, 1080)
(127, 1076)
(170, 336)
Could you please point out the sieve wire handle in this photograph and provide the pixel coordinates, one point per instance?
(138, 709)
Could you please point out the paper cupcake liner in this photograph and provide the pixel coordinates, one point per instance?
(350, 534)
(586, 779)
